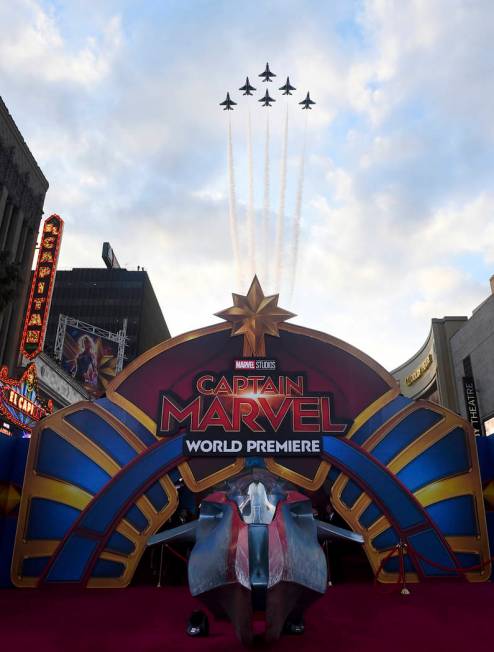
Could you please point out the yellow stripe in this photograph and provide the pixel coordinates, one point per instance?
(61, 492)
(378, 527)
(114, 556)
(210, 480)
(371, 409)
(419, 446)
(383, 430)
(40, 548)
(434, 492)
(311, 484)
(82, 443)
(132, 409)
(338, 486)
(465, 544)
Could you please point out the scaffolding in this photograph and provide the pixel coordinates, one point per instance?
(120, 337)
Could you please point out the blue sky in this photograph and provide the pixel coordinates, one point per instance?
(118, 102)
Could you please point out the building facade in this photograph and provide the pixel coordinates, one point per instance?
(428, 374)
(472, 350)
(22, 193)
(105, 298)
(455, 366)
(56, 385)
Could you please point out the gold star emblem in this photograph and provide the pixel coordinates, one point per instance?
(255, 316)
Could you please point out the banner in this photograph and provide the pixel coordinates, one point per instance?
(90, 359)
(251, 413)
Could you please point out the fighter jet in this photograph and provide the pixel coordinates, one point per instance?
(256, 553)
(228, 103)
(307, 102)
(267, 99)
(247, 87)
(287, 88)
(267, 74)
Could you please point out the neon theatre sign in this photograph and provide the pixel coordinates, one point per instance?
(250, 414)
(38, 308)
(19, 399)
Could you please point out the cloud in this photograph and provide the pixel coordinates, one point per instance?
(34, 48)
(120, 108)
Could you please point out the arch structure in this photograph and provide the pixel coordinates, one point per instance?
(100, 476)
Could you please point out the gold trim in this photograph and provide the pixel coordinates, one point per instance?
(435, 492)
(361, 504)
(40, 548)
(297, 478)
(146, 507)
(130, 562)
(426, 440)
(371, 409)
(126, 433)
(104, 583)
(223, 474)
(61, 492)
(127, 530)
(470, 545)
(383, 430)
(114, 556)
(168, 487)
(464, 544)
(132, 409)
(338, 487)
(378, 527)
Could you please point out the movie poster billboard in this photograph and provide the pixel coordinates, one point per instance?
(90, 359)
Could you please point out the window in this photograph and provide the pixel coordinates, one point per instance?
(489, 426)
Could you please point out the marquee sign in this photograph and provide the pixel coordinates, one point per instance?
(38, 309)
(19, 399)
(250, 414)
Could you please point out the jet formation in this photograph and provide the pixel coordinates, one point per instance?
(266, 100)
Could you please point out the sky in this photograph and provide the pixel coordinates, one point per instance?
(118, 101)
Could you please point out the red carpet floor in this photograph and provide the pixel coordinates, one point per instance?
(350, 617)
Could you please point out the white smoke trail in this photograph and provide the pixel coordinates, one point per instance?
(298, 213)
(233, 206)
(251, 216)
(280, 231)
(266, 209)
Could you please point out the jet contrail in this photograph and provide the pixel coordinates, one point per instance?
(280, 231)
(251, 216)
(233, 206)
(298, 212)
(266, 211)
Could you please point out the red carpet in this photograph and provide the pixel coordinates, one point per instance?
(350, 617)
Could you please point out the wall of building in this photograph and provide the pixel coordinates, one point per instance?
(22, 192)
(417, 376)
(429, 372)
(476, 340)
(104, 298)
(56, 384)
